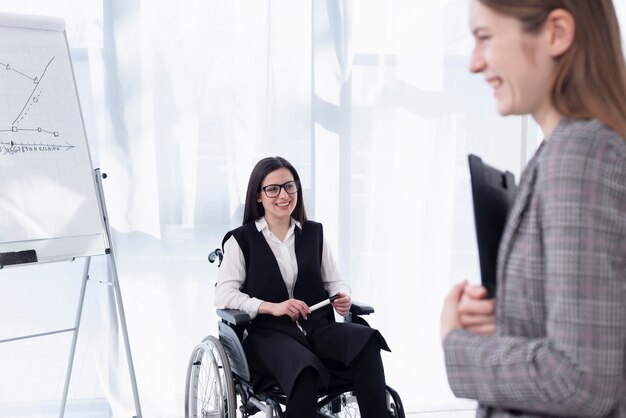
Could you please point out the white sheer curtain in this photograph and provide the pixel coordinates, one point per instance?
(395, 187)
(371, 100)
(195, 93)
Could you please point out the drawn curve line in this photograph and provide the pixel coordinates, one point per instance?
(33, 92)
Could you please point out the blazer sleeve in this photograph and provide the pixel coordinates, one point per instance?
(578, 368)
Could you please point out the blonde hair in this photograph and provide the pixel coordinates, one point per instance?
(590, 80)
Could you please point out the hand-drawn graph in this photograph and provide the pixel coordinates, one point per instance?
(49, 199)
(40, 138)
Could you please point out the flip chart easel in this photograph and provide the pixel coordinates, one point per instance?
(52, 204)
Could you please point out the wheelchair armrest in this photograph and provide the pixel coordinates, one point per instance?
(234, 316)
(359, 308)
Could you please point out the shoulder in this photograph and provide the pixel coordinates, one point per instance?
(312, 231)
(311, 226)
(239, 232)
(585, 138)
(313, 234)
(243, 229)
(583, 149)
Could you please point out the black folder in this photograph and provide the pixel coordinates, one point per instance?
(493, 193)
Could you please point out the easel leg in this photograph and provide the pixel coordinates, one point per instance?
(118, 293)
(122, 319)
(79, 314)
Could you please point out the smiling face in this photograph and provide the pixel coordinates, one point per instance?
(279, 208)
(517, 65)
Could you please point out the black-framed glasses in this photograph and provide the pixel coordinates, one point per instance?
(273, 190)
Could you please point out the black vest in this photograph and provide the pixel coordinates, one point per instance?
(264, 280)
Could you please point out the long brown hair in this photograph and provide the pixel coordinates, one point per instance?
(253, 210)
(590, 80)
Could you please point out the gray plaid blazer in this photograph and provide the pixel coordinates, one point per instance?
(560, 344)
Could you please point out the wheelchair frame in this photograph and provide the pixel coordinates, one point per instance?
(218, 374)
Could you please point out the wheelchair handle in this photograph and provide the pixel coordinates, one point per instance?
(216, 254)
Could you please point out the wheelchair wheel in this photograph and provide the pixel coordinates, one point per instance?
(209, 390)
(346, 406)
(394, 404)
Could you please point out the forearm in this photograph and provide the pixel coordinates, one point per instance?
(530, 375)
(229, 298)
(267, 308)
(338, 287)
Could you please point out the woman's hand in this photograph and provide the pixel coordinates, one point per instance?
(342, 304)
(466, 307)
(294, 308)
(477, 314)
(450, 317)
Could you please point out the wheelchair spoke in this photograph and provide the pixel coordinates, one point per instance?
(346, 406)
(215, 389)
(350, 408)
(206, 389)
(343, 407)
(210, 389)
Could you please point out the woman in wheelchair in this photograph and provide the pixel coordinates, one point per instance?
(275, 266)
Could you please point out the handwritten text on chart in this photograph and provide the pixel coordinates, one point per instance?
(10, 148)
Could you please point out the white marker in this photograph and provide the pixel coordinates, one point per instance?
(323, 303)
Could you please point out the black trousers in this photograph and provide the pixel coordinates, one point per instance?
(367, 374)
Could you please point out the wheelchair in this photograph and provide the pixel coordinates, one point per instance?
(218, 377)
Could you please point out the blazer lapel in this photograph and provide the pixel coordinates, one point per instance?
(522, 200)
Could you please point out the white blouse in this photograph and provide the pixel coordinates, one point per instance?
(232, 273)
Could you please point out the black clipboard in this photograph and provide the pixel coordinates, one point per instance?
(493, 193)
